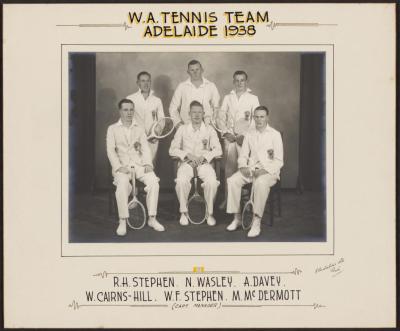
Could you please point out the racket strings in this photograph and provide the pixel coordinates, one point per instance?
(247, 215)
(223, 121)
(163, 127)
(137, 215)
(197, 209)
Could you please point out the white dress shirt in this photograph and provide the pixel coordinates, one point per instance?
(207, 94)
(147, 111)
(127, 146)
(240, 107)
(262, 150)
(200, 142)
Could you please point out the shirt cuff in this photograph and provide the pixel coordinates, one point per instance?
(181, 154)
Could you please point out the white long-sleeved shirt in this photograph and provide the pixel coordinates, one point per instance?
(127, 146)
(147, 111)
(240, 107)
(201, 142)
(262, 150)
(207, 94)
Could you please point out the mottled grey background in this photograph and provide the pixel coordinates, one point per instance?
(274, 77)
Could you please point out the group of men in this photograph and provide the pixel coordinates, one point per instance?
(255, 157)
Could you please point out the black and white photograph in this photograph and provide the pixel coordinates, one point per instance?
(209, 146)
(199, 165)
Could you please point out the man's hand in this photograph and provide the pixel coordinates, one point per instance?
(230, 137)
(124, 170)
(148, 168)
(259, 172)
(207, 120)
(201, 160)
(191, 157)
(152, 140)
(245, 172)
(239, 140)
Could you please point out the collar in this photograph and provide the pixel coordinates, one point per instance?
(247, 91)
(266, 129)
(202, 127)
(139, 92)
(119, 123)
(205, 82)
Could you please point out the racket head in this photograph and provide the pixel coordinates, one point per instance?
(222, 121)
(247, 215)
(197, 209)
(162, 128)
(137, 214)
(242, 126)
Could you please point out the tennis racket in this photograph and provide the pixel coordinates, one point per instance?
(161, 128)
(137, 212)
(241, 126)
(196, 205)
(222, 121)
(248, 209)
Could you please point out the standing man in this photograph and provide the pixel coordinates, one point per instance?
(239, 104)
(148, 108)
(195, 88)
(196, 144)
(260, 161)
(127, 149)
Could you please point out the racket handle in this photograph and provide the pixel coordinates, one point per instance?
(133, 183)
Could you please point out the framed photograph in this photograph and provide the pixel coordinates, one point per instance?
(300, 117)
(211, 165)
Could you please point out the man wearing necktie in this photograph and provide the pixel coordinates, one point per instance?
(259, 162)
(127, 149)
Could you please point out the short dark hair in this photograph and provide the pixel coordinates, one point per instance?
(193, 62)
(264, 108)
(195, 103)
(240, 72)
(125, 101)
(141, 74)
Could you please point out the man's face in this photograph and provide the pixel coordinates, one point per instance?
(196, 114)
(144, 83)
(195, 71)
(260, 119)
(126, 112)
(240, 83)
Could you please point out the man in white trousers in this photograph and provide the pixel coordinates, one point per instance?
(260, 161)
(239, 104)
(195, 88)
(196, 145)
(148, 108)
(128, 150)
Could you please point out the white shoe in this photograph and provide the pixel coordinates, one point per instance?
(153, 223)
(121, 230)
(234, 225)
(183, 220)
(255, 229)
(211, 220)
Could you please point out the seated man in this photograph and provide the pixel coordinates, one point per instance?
(260, 161)
(196, 144)
(127, 148)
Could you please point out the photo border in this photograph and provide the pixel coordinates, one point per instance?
(332, 246)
